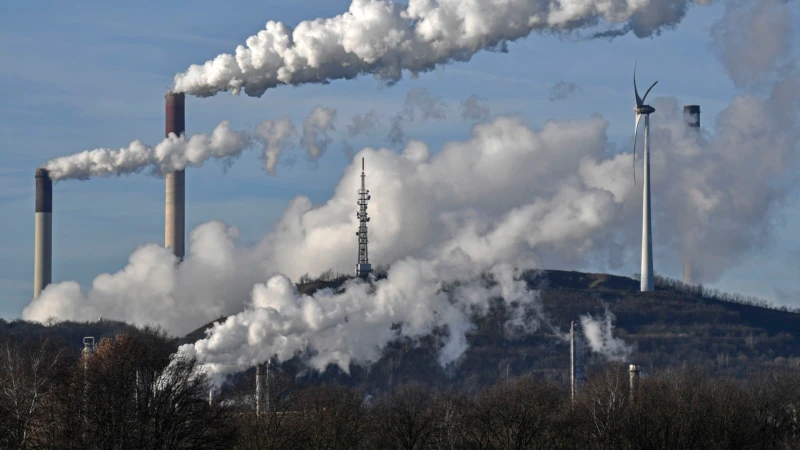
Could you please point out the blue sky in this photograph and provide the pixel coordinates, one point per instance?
(82, 75)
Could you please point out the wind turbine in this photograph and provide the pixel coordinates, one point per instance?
(646, 280)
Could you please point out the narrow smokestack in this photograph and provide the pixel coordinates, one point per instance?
(43, 244)
(634, 371)
(258, 389)
(576, 354)
(691, 114)
(175, 211)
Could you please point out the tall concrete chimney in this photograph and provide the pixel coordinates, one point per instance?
(43, 244)
(691, 114)
(576, 354)
(175, 211)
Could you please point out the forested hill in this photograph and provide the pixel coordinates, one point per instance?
(674, 326)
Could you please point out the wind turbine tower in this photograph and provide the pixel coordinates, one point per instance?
(641, 109)
(363, 268)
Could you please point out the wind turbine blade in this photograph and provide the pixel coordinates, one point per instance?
(636, 91)
(635, 131)
(648, 91)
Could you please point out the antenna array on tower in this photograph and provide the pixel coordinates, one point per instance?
(363, 268)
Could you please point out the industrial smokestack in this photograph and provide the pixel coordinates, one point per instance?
(43, 244)
(258, 389)
(175, 212)
(634, 371)
(576, 354)
(691, 114)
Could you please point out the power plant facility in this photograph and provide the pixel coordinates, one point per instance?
(43, 239)
(363, 268)
(175, 205)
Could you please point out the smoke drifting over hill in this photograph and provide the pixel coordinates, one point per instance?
(509, 196)
(384, 39)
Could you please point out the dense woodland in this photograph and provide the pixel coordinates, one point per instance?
(719, 371)
(129, 394)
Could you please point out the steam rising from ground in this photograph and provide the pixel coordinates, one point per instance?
(384, 39)
(599, 335)
(355, 325)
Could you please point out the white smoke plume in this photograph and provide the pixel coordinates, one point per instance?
(354, 326)
(276, 136)
(171, 154)
(726, 185)
(316, 131)
(753, 39)
(537, 214)
(599, 335)
(385, 39)
(210, 282)
(474, 108)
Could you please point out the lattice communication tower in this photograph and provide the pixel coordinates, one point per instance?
(363, 268)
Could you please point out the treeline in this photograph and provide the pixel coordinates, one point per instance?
(131, 393)
(698, 290)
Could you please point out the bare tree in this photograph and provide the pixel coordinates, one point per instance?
(27, 374)
(332, 417)
(274, 428)
(133, 393)
(519, 414)
(407, 420)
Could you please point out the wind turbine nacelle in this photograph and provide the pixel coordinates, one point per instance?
(644, 109)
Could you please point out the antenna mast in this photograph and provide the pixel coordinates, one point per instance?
(363, 268)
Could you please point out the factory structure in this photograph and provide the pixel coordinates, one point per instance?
(174, 238)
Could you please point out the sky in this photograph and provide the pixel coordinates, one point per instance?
(89, 74)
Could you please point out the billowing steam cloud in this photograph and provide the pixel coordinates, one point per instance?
(753, 39)
(510, 196)
(598, 333)
(384, 39)
(355, 325)
(427, 206)
(723, 188)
